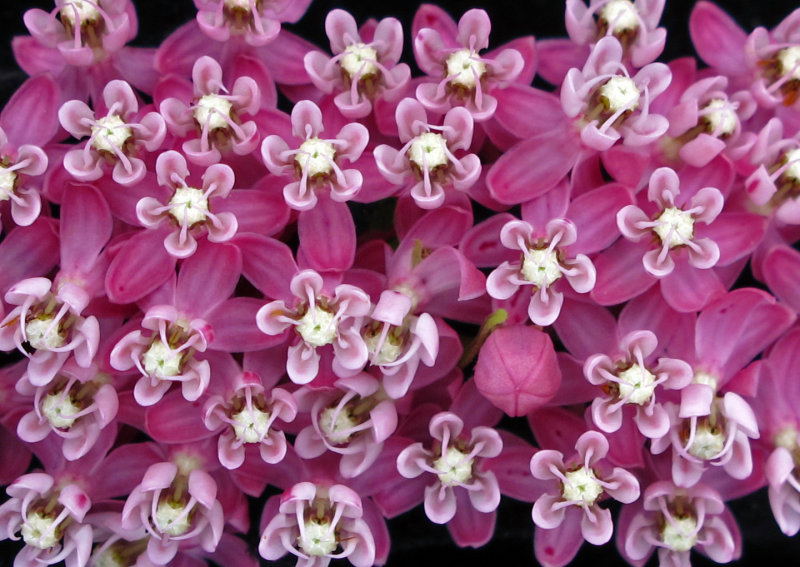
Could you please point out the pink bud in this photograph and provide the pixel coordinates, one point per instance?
(517, 370)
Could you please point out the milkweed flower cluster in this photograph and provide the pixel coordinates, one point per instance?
(217, 307)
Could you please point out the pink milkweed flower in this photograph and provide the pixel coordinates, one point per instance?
(632, 379)
(189, 208)
(572, 504)
(672, 225)
(707, 121)
(456, 462)
(674, 521)
(466, 78)
(48, 319)
(608, 104)
(353, 420)
(50, 520)
(118, 138)
(774, 184)
(247, 414)
(76, 406)
(177, 504)
(85, 32)
(319, 319)
(364, 65)
(545, 260)
(317, 523)
(428, 154)
(257, 21)
(315, 161)
(165, 355)
(17, 164)
(398, 340)
(633, 23)
(215, 120)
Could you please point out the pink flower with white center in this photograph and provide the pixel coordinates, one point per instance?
(428, 154)
(783, 474)
(467, 78)
(671, 224)
(118, 138)
(256, 21)
(48, 321)
(318, 523)
(177, 504)
(49, 519)
(164, 354)
(364, 65)
(215, 120)
(457, 462)
(607, 104)
(398, 341)
(353, 420)
(85, 32)
(631, 379)
(633, 23)
(189, 208)
(247, 416)
(675, 520)
(775, 184)
(17, 164)
(578, 485)
(708, 429)
(545, 259)
(319, 319)
(707, 121)
(76, 406)
(315, 161)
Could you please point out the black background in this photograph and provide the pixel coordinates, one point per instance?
(414, 539)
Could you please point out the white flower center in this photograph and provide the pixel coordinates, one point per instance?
(464, 68)
(581, 487)
(428, 151)
(238, 4)
(620, 93)
(792, 172)
(709, 441)
(789, 59)
(188, 205)
(721, 117)
(110, 557)
(680, 534)
(213, 110)
(390, 350)
(706, 379)
(8, 180)
(79, 10)
(40, 531)
(317, 327)
(315, 157)
(318, 538)
(786, 438)
(637, 384)
(110, 133)
(621, 16)
(359, 60)
(162, 361)
(337, 425)
(44, 334)
(540, 267)
(251, 426)
(172, 518)
(675, 227)
(454, 468)
(59, 410)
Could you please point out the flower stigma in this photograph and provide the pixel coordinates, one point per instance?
(315, 157)
(161, 360)
(317, 327)
(60, 410)
(620, 93)
(318, 537)
(540, 267)
(110, 133)
(40, 530)
(465, 69)
(188, 205)
(8, 181)
(359, 60)
(620, 16)
(581, 486)
(172, 518)
(337, 424)
(636, 384)
(213, 111)
(427, 151)
(454, 467)
(680, 533)
(674, 227)
(251, 425)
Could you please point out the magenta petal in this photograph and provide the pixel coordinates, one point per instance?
(268, 264)
(688, 289)
(30, 116)
(207, 278)
(782, 272)
(139, 267)
(557, 547)
(718, 39)
(85, 228)
(469, 527)
(327, 236)
(620, 273)
(174, 420)
(532, 167)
